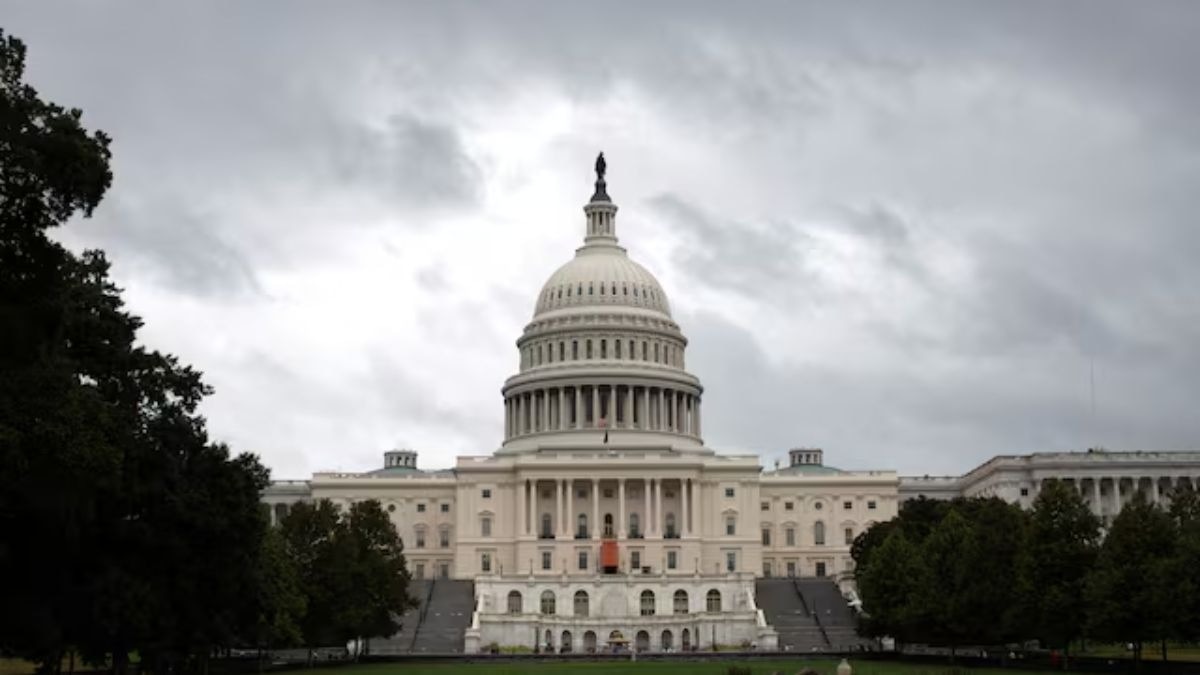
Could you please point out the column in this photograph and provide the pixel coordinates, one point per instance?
(595, 406)
(621, 532)
(1116, 496)
(562, 399)
(521, 519)
(1097, 506)
(697, 417)
(520, 414)
(684, 528)
(507, 417)
(558, 508)
(578, 407)
(545, 422)
(662, 408)
(596, 508)
(679, 428)
(646, 521)
(569, 490)
(658, 512)
(628, 407)
(1157, 491)
(533, 507)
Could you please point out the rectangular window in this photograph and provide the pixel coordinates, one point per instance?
(1024, 492)
(765, 506)
(608, 493)
(635, 560)
(420, 573)
(617, 348)
(562, 351)
(486, 493)
(820, 569)
(730, 561)
(849, 535)
(672, 559)
(788, 506)
(644, 352)
(444, 538)
(445, 508)
(420, 508)
(485, 527)
(589, 348)
(545, 560)
(444, 571)
(791, 569)
(485, 562)
(871, 505)
(604, 349)
(766, 537)
(583, 560)
(847, 505)
(575, 349)
(420, 538)
(767, 568)
(728, 493)
(790, 536)
(730, 526)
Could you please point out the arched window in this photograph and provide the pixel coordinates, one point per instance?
(671, 534)
(588, 348)
(685, 640)
(548, 602)
(589, 642)
(575, 349)
(565, 645)
(547, 531)
(681, 602)
(667, 642)
(514, 602)
(641, 641)
(562, 351)
(647, 603)
(581, 603)
(819, 533)
(634, 532)
(608, 525)
(582, 531)
(712, 601)
(549, 640)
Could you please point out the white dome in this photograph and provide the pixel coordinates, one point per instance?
(602, 276)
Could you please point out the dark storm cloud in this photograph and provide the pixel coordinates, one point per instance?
(979, 200)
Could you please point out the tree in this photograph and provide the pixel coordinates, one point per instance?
(988, 593)
(888, 587)
(280, 603)
(124, 527)
(1184, 574)
(351, 569)
(941, 612)
(1059, 549)
(1128, 590)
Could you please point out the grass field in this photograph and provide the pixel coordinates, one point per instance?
(789, 666)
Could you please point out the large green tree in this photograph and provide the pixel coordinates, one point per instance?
(124, 527)
(351, 568)
(988, 595)
(888, 588)
(1185, 567)
(1128, 591)
(1059, 550)
(941, 608)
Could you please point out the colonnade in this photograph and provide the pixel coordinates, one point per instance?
(652, 520)
(612, 406)
(1106, 495)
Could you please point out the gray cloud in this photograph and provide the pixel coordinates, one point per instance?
(904, 231)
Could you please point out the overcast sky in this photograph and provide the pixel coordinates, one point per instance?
(902, 231)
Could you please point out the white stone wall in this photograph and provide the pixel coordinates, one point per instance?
(615, 604)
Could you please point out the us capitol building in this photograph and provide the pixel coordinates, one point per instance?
(604, 515)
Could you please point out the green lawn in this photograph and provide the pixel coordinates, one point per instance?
(789, 667)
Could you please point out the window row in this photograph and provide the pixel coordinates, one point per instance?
(603, 406)
(421, 530)
(647, 603)
(651, 351)
(818, 535)
(847, 505)
(594, 289)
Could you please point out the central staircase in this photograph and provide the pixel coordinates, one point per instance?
(437, 624)
(810, 615)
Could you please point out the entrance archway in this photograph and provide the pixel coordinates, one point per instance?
(685, 640)
(668, 641)
(642, 641)
(589, 642)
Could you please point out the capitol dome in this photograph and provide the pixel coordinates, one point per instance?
(601, 276)
(602, 360)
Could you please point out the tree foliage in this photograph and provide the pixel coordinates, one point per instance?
(351, 569)
(124, 527)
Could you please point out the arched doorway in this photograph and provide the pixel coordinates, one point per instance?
(549, 637)
(589, 642)
(668, 641)
(564, 644)
(685, 640)
(642, 641)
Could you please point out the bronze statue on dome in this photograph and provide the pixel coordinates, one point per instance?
(601, 167)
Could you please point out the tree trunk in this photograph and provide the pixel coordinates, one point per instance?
(1164, 651)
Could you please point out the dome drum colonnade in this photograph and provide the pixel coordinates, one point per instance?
(602, 351)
